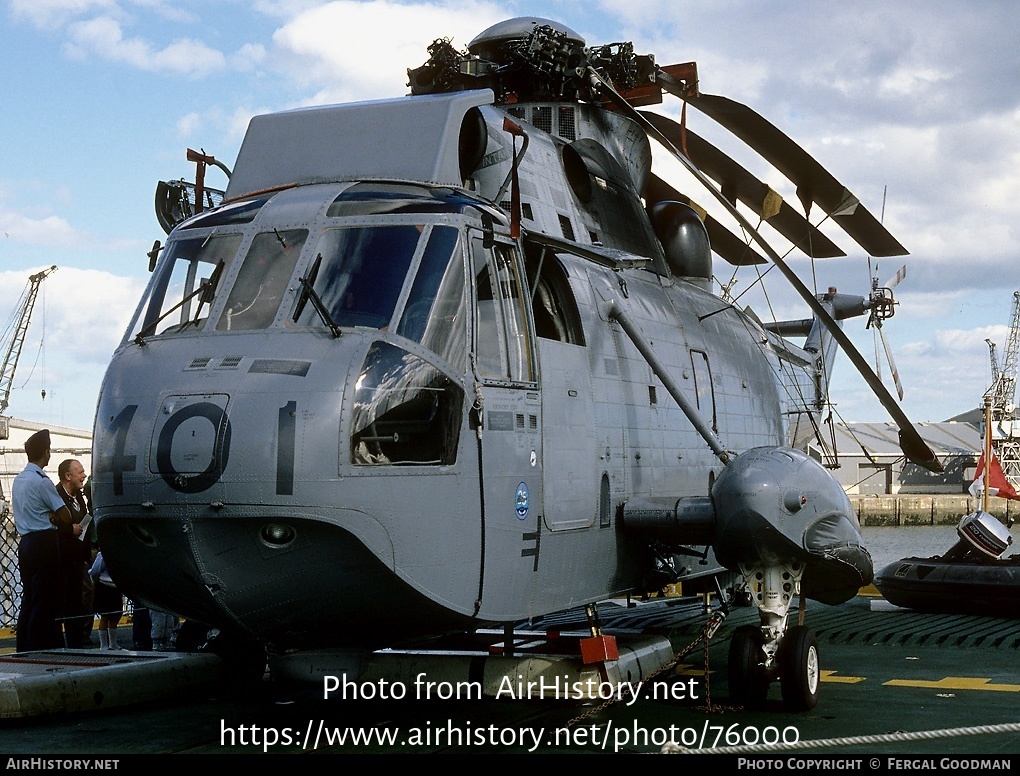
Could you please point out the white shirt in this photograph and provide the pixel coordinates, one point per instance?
(33, 497)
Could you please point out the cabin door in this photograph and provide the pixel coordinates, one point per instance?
(509, 450)
(570, 464)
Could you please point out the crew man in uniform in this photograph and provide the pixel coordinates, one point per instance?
(37, 511)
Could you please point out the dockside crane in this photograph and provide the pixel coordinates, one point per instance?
(1005, 429)
(994, 361)
(14, 338)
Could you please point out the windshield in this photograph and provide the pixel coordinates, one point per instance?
(256, 294)
(185, 284)
(361, 273)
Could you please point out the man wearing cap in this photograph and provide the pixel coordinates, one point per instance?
(38, 509)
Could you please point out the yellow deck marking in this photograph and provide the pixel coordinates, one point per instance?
(829, 676)
(689, 669)
(956, 683)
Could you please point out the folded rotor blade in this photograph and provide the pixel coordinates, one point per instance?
(911, 442)
(724, 242)
(814, 183)
(739, 184)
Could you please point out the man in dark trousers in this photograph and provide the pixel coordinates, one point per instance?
(37, 512)
(75, 554)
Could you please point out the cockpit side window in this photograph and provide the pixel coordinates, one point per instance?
(503, 346)
(405, 411)
(435, 309)
(362, 273)
(184, 284)
(262, 280)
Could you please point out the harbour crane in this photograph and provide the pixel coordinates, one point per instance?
(18, 330)
(12, 350)
(1005, 429)
(994, 361)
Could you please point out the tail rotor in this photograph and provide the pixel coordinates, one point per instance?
(882, 305)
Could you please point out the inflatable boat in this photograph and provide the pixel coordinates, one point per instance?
(971, 578)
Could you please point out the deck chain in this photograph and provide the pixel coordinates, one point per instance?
(707, 632)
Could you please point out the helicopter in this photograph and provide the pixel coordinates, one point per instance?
(455, 360)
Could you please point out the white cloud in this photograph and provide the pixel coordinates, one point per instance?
(47, 14)
(104, 36)
(46, 232)
(188, 124)
(52, 232)
(353, 50)
(248, 57)
(166, 10)
(79, 318)
(80, 315)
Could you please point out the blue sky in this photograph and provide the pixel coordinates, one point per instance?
(919, 101)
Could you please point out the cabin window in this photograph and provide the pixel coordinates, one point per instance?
(503, 348)
(703, 391)
(185, 284)
(361, 273)
(435, 310)
(262, 280)
(406, 411)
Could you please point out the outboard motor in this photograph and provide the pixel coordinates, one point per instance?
(982, 536)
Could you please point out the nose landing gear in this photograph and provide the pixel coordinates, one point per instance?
(761, 655)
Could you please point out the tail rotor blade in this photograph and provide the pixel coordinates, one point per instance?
(900, 274)
(878, 362)
(892, 362)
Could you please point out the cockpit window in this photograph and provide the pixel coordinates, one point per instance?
(234, 213)
(185, 284)
(262, 280)
(435, 311)
(503, 348)
(406, 411)
(361, 273)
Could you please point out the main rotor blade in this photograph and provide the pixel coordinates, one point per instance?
(911, 442)
(724, 242)
(814, 183)
(738, 183)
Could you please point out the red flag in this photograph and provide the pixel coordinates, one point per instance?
(998, 485)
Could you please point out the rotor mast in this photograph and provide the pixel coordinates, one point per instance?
(22, 316)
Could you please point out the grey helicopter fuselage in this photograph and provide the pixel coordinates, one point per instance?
(352, 408)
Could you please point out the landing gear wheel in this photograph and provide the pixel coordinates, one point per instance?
(799, 669)
(749, 683)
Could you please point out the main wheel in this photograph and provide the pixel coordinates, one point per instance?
(799, 668)
(749, 684)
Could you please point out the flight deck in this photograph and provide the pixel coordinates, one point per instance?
(896, 681)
